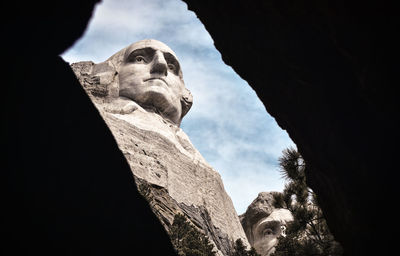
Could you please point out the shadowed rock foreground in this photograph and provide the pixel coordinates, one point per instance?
(66, 188)
(325, 70)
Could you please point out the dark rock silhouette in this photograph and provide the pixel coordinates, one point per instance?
(325, 70)
(66, 187)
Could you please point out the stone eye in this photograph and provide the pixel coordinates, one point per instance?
(268, 232)
(139, 59)
(171, 67)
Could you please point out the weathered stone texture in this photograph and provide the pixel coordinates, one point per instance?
(160, 154)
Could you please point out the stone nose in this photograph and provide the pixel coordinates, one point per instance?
(159, 64)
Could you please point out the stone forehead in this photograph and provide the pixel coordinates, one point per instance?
(152, 43)
(281, 215)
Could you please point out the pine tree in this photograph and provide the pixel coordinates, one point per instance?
(253, 252)
(308, 234)
(240, 249)
(187, 240)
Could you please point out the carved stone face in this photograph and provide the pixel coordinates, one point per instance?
(265, 236)
(267, 230)
(151, 76)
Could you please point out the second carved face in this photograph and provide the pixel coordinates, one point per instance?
(267, 230)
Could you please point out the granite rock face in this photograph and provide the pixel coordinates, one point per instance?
(168, 169)
(263, 223)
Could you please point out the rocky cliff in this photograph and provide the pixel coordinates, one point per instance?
(169, 171)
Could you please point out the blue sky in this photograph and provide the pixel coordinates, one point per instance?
(228, 124)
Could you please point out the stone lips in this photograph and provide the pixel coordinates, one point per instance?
(161, 155)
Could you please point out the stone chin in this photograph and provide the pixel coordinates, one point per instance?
(266, 248)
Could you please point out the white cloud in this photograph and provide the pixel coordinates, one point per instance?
(227, 123)
(117, 24)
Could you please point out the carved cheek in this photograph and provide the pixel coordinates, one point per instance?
(176, 85)
(132, 75)
(136, 69)
(128, 81)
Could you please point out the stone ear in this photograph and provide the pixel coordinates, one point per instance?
(106, 77)
(113, 87)
(186, 101)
